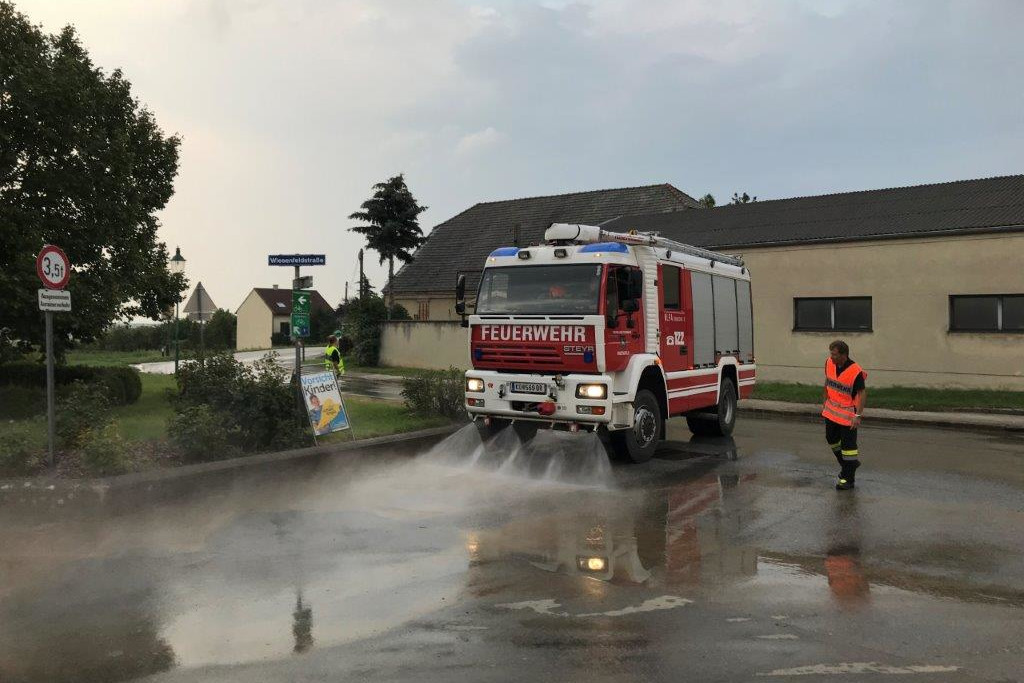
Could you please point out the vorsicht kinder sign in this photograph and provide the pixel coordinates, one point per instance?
(324, 404)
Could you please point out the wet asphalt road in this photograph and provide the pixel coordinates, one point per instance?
(725, 560)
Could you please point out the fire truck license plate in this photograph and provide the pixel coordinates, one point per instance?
(529, 388)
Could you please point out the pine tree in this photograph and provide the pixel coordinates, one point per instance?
(392, 229)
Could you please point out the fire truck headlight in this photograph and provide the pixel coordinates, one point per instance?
(474, 384)
(592, 391)
(592, 564)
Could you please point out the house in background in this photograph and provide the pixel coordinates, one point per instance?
(266, 311)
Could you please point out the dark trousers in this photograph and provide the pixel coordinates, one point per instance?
(843, 442)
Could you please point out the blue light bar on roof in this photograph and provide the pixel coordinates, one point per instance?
(605, 246)
(505, 251)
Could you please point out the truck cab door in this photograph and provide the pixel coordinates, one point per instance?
(673, 316)
(623, 329)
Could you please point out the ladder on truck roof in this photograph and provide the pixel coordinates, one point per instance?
(573, 232)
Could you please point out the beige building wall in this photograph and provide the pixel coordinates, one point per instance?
(909, 282)
(435, 344)
(438, 305)
(253, 324)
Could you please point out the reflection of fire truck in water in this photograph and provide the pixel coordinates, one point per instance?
(618, 332)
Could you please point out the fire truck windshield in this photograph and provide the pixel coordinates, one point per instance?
(552, 290)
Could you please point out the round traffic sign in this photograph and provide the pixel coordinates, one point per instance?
(53, 267)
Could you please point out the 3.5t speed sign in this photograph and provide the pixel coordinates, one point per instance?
(53, 267)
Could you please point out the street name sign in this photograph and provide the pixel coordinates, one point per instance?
(53, 267)
(296, 260)
(58, 300)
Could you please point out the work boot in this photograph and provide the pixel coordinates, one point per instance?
(846, 477)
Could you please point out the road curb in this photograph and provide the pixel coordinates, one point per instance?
(50, 491)
(807, 412)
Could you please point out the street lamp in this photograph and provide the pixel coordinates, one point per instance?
(177, 266)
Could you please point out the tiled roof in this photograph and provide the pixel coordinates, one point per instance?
(462, 243)
(280, 300)
(942, 209)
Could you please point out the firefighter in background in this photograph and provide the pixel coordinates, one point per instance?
(844, 405)
(332, 357)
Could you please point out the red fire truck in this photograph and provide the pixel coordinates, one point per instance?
(595, 330)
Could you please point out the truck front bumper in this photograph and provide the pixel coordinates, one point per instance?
(541, 398)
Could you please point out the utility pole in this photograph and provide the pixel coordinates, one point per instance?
(346, 291)
(361, 279)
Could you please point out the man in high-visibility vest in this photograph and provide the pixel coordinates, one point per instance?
(844, 398)
(332, 357)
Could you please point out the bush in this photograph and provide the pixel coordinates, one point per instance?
(123, 385)
(18, 402)
(104, 450)
(200, 434)
(439, 392)
(344, 345)
(82, 408)
(253, 406)
(22, 452)
(280, 339)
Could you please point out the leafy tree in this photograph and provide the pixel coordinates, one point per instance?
(84, 166)
(744, 198)
(393, 230)
(221, 330)
(707, 201)
(322, 322)
(362, 326)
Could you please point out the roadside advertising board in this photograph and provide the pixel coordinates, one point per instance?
(324, 404)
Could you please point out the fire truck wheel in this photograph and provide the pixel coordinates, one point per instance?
(718, 421)
(639, 443)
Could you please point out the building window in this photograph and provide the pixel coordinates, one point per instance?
(424, 310)
(986, 313)
(284, 328)
(842, 314)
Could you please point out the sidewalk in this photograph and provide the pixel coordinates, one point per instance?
(950, 419)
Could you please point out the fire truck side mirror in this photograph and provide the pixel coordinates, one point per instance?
(460, 295)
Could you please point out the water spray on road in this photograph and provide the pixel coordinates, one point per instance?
(557, 457)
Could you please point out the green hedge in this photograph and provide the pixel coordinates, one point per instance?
(123, 385)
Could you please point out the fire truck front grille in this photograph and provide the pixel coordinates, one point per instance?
(518, 356)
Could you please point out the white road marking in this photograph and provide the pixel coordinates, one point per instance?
(780, 636)
(779, 616)
(738, 620)
(860, 668)
(664, 602)
(549, 607)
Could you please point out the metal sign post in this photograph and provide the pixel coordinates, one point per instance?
(54, 270)
(299, 324)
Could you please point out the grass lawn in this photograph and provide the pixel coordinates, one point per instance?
(902, 398)
(146, 419)
(371, 417)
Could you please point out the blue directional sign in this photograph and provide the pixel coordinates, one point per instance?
(296, 260)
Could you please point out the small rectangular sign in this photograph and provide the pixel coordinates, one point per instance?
(55, 300)
(296, 260)
(304, 282)
(300, 302)
(300, 325)
(529, 388)
(324, 405)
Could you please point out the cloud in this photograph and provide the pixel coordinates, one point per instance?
(290, 112)
(477, 142)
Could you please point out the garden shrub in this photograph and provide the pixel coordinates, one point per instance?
(200, 433)
(17, 402)
(253, 406)
(362, 325)
(104, 451)
(439, 392)
(23, 448)
(123, 384)
(80, 408)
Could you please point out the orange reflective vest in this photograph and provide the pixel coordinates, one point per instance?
(839, 405)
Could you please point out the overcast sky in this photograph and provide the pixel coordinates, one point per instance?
(290, 110)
